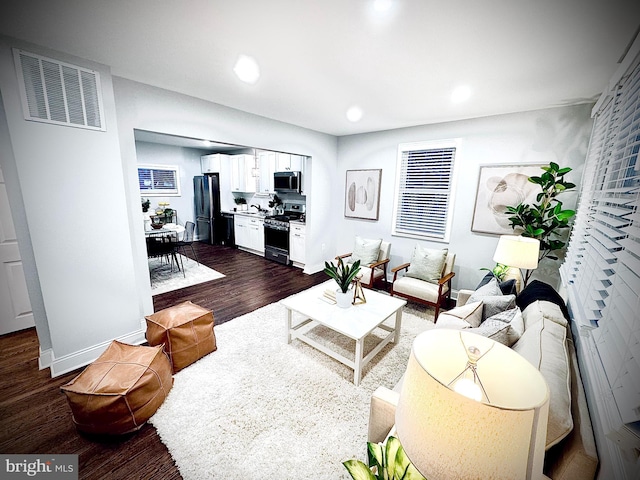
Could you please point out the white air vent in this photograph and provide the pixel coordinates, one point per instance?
(59, 93)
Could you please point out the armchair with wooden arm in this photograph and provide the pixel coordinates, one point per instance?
(374, 271)
(420, 291)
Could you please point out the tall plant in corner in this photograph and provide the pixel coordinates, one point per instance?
(545, 220)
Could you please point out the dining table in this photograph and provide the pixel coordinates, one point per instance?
(167, 230)
(162, 242)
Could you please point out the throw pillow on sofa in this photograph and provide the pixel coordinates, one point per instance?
(365, 250)
(492, 299)
(427, 264)
(495, 330)
(507, 287)
(489, 287)
(538, 290)
(514, 321)
(465, 316)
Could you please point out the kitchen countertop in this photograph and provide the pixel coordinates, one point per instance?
(246, 213)
(257, 215)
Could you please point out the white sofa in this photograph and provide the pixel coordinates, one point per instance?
(547, 344)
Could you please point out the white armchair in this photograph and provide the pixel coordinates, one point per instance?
(373, 271)
(421, 291)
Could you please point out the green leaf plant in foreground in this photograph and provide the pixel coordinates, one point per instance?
(545, 220)
(386, 462)
(343, 273)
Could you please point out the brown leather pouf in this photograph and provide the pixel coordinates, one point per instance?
(121, 390)
(186, 330)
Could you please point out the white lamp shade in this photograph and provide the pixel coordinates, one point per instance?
(449, 436)
(516, 251)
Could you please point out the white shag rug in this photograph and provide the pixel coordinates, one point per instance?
(261, 408)
(165, 279)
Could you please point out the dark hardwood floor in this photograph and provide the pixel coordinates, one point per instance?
(34, 414)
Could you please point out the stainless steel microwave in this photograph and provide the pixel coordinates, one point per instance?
(287, 182)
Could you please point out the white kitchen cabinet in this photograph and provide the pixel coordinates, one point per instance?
(297, 243)
(256, 234)
(297, 163)
(212, 163)
(283, 162)
(267, 163)
(243, 169)
(241, 231)
(286, 162)
(249, 233)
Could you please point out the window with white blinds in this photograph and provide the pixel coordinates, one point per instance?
(602, 266)
(424, 186)
(159, 180)
(58, 92)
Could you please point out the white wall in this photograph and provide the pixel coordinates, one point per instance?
(75, 209)
(559, 135)
(188, 161)
(81, 199)
(149, 108)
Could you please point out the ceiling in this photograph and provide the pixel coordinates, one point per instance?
(317, 58)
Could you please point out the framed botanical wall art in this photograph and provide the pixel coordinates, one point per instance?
(362, 194)
(500, 186)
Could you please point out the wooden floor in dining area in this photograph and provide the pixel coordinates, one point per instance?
(35, 417)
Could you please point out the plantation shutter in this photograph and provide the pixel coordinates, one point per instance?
(424, 191)
(602, 266)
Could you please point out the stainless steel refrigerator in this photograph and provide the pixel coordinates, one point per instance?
(206, 199)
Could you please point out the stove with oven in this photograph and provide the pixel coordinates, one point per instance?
(276, 233)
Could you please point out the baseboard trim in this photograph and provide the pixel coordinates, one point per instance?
(82, 358)
(45, 359)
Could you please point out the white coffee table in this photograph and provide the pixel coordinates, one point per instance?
(355, 322)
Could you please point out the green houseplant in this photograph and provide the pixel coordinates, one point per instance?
(545, 220)
(343, 274)
(241, 202)
(388, 462)
(499, 271)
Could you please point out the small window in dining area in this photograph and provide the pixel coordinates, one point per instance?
(424, 190)
(159, 180)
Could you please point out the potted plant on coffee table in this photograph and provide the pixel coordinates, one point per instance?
(343, 274)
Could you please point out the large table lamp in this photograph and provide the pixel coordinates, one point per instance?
(448, 435)
(519, 252)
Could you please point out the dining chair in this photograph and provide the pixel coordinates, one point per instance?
(157, 248)
(187, 239)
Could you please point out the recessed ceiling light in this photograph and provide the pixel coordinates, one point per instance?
(460, 94)
(382, 5)
(247, 69)
(354, 114)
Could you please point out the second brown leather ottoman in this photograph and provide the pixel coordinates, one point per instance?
(121, 390)
(186, 330)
